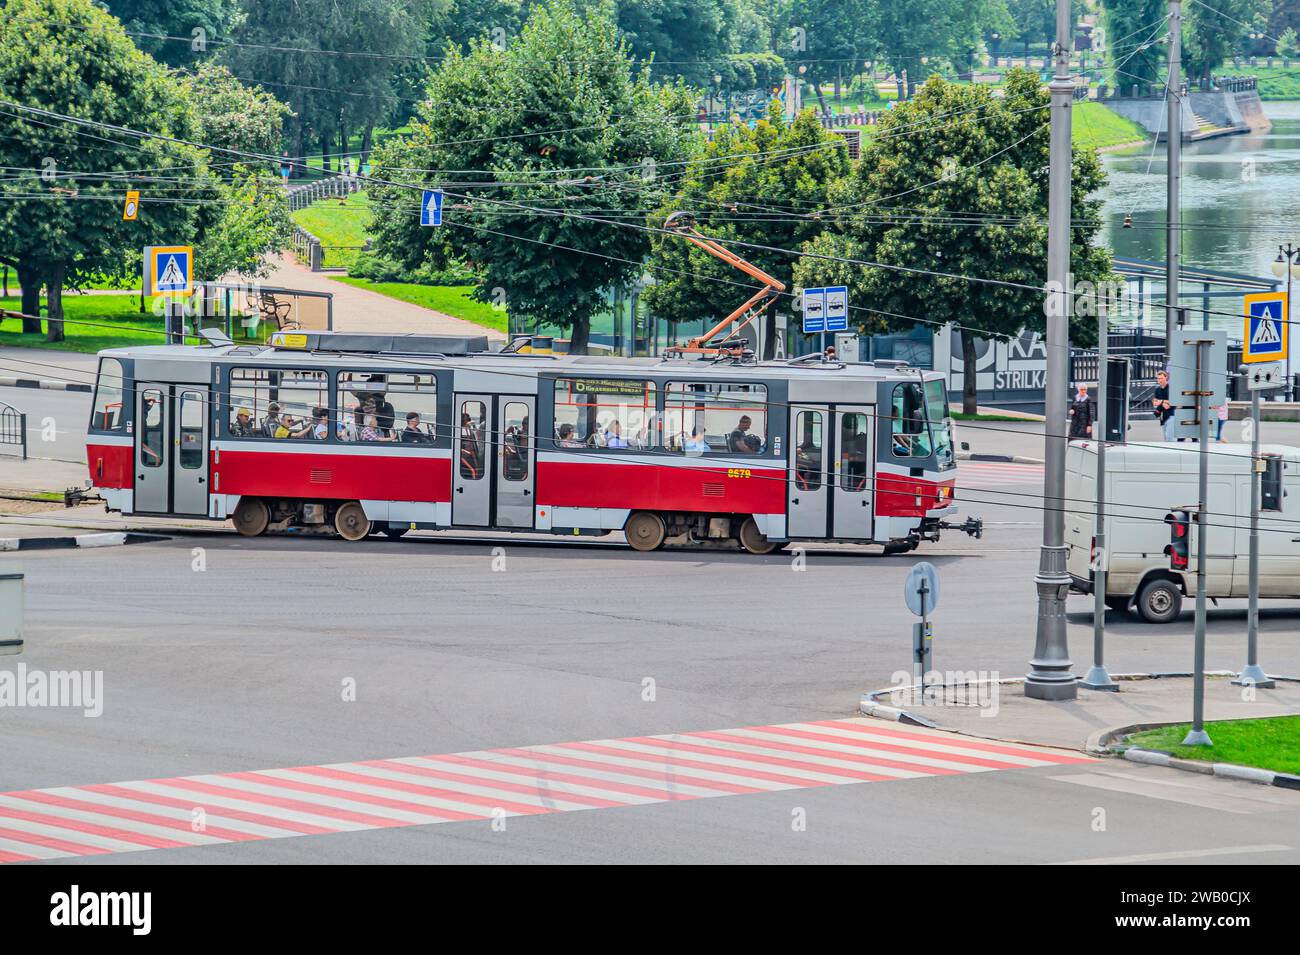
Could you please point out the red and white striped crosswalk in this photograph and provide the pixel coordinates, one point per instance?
(991, 474)
(464, 787)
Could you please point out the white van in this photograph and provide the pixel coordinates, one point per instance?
(1144, 482)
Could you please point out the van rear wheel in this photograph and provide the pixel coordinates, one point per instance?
(1159, 601)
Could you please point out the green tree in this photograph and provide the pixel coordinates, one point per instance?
(559, 120)
(921, 35)
(1215, 29)
(956, 182)
(1288, 44)
(1134, 53)
(175, 32)
(61, 219)
(235, 116)
(248, 221)
(686, 38)
(744, 187)
(335, 64)
(831, 38)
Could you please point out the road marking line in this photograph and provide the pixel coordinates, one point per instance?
(1179, 854)
(252, 805)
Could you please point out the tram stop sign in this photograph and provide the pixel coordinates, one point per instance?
(922, 581)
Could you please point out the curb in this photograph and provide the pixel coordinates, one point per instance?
(1249, 774)
(108, 539)
(998, 458)
(46, 383)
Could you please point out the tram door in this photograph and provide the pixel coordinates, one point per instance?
(171, 449)
(472, 467)
(515, 461)
(832, 472)
(853, 494)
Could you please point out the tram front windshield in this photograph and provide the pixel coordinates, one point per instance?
(936, 410)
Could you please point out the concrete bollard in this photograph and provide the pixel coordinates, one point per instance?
(11, 610)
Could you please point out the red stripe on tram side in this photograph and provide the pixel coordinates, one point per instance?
(897, 495)
(376, 477)
(109, 465)
(660, 487)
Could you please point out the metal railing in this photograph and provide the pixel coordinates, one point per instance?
(13, 428)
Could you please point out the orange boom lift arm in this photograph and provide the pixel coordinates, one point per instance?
(683, 223)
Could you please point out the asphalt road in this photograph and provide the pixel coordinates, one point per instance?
(452, 647)
(223, 655)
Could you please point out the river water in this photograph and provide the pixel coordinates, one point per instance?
(1240, 200)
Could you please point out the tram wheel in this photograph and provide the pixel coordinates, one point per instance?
(645, 531)
(752, 539)
(351, 522)
(251, 517)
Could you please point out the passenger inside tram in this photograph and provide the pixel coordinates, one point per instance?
(413, 433)
(697, 441)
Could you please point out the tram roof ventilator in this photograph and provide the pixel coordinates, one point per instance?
(387, 344)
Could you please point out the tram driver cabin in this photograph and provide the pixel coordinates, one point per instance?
(365, 434)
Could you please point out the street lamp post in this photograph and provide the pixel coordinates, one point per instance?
(1287, 263)
(1050, 676)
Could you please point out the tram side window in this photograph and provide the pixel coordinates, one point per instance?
(910, 436)
(151, 428)
(279, 403)
(193, 408)
(107, 413)
(613, 413)
(720, 418)
(474, 441)
(383, 406)
(515, 441)
(854, 442)
(808, 451)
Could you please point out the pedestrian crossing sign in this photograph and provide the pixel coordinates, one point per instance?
(1264, 337)
(168, 269)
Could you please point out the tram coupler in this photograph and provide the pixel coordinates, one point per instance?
(973, 526)
(74, 496)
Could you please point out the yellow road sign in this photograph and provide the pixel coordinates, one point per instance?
(131, 208)
(1266, 332)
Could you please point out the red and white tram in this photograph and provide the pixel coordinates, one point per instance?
(365, 434)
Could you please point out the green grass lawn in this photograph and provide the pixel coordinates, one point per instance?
(338, 222)
(1098, 126)
(1275, 84)
(1267, 743)
(91, 323)
(453, 300)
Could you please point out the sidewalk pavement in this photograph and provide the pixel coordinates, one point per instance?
(360, 310)
(40, 474)
(1003, 712)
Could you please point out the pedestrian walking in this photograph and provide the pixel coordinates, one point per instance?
(1163, 408)
(1081, 414)
(1223, 420)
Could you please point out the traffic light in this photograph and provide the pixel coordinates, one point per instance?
(1180, 537)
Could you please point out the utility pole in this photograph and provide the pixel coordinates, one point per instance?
(1197, 736)
(1050, 677)
(1097, 678)
(1252, 674)
(1174, 177)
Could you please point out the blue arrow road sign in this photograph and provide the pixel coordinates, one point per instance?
(837, 309)
(431, 207)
